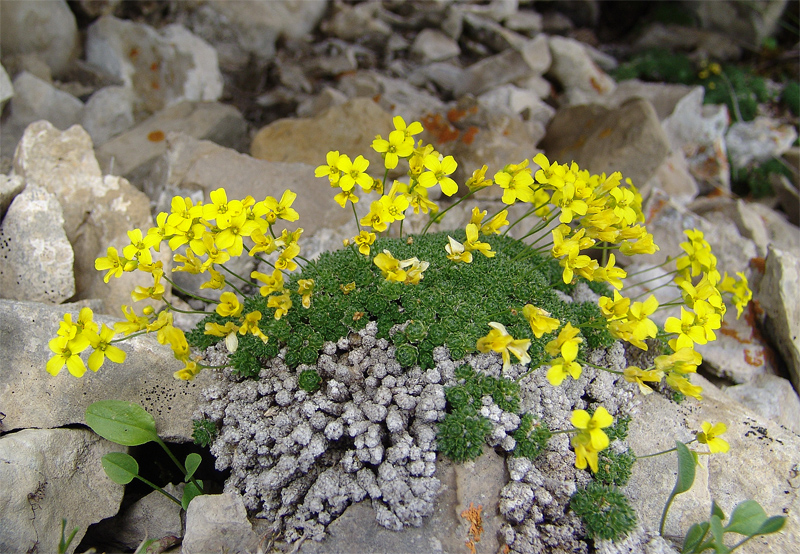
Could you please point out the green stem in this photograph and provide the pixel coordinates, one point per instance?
(662, 452)
(126, 337)
(590, 364)
(447, 209)
(231, 285)
(159, 489)
(651, 268)
(174, 309)
(235, 274)
(177, 462)
(187, 293)
(355, 215)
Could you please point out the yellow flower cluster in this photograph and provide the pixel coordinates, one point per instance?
(73, 337)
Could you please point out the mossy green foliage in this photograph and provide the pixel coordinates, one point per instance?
(657, 64)
(531, 437)
(309, 380)
(613, 468)
(756, 178)
(204, 431)
(463, 433)
(604, 510)
(791, 97)
(452, 305)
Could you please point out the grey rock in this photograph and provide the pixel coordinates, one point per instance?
(628, 139)
(518, 101)
(572, 66)
(749, 23)
(194, 165)
(349, 128)
(663, 96)
(37, 257)
(241, 29)
(10, 187)
(355, 22)
(108, 112)
(706, 44)
(788, 196)
(36, 99)
(699, 131)
(98, 211)
(674, 178)
(502, 68)
(152, 517)
(772, 397)
(490, 33)
(50, 474)
(759, 448)
(218, 523)
(782, 234)
(327, 98)
(432, 45)
(6, 88)
(133, 153)
(778, 296)
(26, 389)
(524, 21)
(743, 214)
(162, 67)
(757, 141)
(46, 28)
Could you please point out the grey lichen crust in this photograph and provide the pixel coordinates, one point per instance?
(300, 459)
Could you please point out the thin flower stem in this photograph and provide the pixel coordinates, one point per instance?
(645, 270)
(234, 274)
(187, 293)
(126, 337)
(650, 291)
(159, 489)
(231, 285)
(355, 215)
(662, 452)
(439, 215)
(174, 309)
(590, 364)
(177, 462)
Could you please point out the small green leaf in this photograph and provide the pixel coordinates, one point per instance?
(772, 525)
(686, 469)
(717, 511)
(192, 463)
(120, 467)
(189, 492)
(747, 518)
(718, 532)
(693, 538)
(121, 422)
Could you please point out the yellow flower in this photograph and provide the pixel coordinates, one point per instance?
(456, 251)
(438, 172)
(217, 280)
(478, 180)
(593, 426)
(272, 283)
(394, 206)
(354, 172)
(282, 304)
(498, 340)
(414, 270)
(687, 329)
(637, 375)
(566, 199)
(220, 209)
(283, 209)
(566, 344)
(66, 353)
(305, 290)
(610, 274)
(228, 331)
(492, 227)
(390, 267)
(191, 263)
(285, 261)
(133, 324)
(263, 243)
(364, 240)
(229, 305)
(472, 243)
(112, 263)
(682, 361)
(231, 238)
(250, 325)
(188, 372)
(614, 309)
(342, 197)
(678, 382)
(331, 171)
(139, 247)
(516, 181)
(741, 293)
(560, 368)
(101, 343)
(583, 452)
(155, 292)
(710, 436)
(398, 146)
(540, 321)
(414, 128)
(377, 218)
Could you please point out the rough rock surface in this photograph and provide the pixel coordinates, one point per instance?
(50, 474)
(218, 523)
(27, 390)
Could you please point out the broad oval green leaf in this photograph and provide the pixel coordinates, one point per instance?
(120, 467)
(686, 469)
(747, 518)
(717, 511)
(772, 525)
(694, 536)
(121, 422)
(189, 492)
(717, 532)
(192, 463)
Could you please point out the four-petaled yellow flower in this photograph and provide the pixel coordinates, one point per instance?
(103, 348)
(540, 321)
(272, 283)
(438, 172)
(229, 305)
(590, 439)
(390, 267)
(305, 288)
(112, 263)
(282, 304)
(456, 251)
(498, 340)
(353, 172)
(364, 240)
(710, 436)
